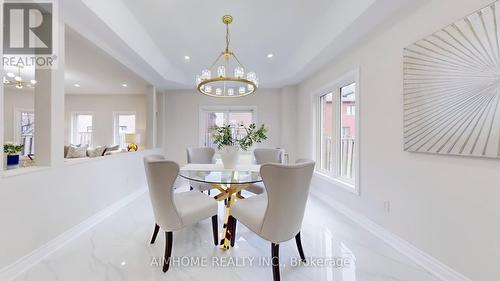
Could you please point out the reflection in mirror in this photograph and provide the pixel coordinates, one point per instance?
(343, 258)
(19, 116)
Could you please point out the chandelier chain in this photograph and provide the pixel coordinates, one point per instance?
(218, 81)
(228, 39)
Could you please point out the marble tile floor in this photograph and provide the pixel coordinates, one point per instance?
(119, 249)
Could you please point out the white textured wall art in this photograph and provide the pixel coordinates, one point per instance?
(452, 88)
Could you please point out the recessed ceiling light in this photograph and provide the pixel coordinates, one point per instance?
(124, 85)
(77, 85)
(187, 57)
(270, 55)
(33, 82)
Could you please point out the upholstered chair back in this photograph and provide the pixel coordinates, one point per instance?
(287, 191)
(267, 155)
(200, 155)
(161, 175)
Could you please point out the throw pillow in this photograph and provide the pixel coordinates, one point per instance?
(66, 148)
(111, 148)
(96, 152)
(77, 151)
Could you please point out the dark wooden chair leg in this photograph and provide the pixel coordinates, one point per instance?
(209, 192)
(275, 253)
(229, 228)
(168, 250)
(155, 233)
(233, 230)
(215, 229)
(299, 247)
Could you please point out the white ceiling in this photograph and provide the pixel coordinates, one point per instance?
(152, 37)
(260, 27)
(96, 71)
(93, 69)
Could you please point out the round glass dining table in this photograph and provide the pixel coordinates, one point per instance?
(229, 182)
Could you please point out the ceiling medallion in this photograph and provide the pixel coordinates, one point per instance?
(222, 84)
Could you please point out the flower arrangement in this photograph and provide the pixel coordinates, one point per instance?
(224, 136)
(12, 148)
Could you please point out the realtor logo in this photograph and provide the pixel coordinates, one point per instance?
(27, 28)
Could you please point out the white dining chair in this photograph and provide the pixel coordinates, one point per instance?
(174, 211)
(276, 215)
(200, 155)
(263, 156)
(268, 155)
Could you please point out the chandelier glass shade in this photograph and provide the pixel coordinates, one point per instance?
(227, 77)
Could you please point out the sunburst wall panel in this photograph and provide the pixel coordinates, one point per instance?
(452, 88)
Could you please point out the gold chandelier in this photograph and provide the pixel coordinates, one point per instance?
(16, 80)
(223, 84)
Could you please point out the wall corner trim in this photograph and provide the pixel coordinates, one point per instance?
(23, 264)
(428, 262)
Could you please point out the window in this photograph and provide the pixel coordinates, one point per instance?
(351, 110)
(124, 123)
(25, 130)
(347, 136)
(346, 131)
(233, 117)
(326, 132)
(336, 137)
(81, 129)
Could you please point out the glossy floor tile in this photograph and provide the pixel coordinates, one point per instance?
(119, 249)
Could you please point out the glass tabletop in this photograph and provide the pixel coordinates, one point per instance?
(216, 174)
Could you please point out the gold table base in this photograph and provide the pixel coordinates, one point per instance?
(231, 192)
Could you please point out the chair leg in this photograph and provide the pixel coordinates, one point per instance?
(234, 222)
(209, 192)
(275, 253)
(215, 229)
(168, 250)
(190, 188)
(155, 233)
(299, 247)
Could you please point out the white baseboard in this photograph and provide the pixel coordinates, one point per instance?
(17, 268)
(429, 263)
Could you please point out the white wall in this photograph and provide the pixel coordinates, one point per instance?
(102, 107)
(446, 206)
(38, 206)
(289, 119)
(182, 117)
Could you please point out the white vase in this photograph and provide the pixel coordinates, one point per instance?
(230, 156)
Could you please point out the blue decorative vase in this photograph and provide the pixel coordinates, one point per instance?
(12, 162)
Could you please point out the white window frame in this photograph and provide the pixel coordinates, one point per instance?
(74, 114)
(352, 185)
(116, 128)
(225, 109)
(17, 122)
